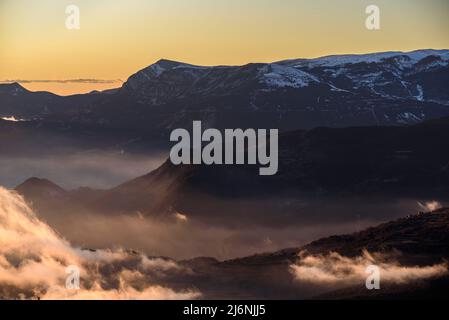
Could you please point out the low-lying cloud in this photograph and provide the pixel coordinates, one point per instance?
(34, 260)
(184, 236)
(336, 270)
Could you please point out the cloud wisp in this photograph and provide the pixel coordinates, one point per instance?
(430, 206)
(93, 81)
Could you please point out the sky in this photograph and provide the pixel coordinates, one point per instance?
(119, 37)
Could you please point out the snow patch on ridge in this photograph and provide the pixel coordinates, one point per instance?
(279, 76)
(420, 96)
(157, 69)
(407, 58)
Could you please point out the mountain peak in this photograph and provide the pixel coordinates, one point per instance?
(33, 186)
(162, 65)
(154, 71)
(13, 87)
(16, 85)
(168, 63)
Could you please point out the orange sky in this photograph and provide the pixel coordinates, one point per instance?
(120, 37)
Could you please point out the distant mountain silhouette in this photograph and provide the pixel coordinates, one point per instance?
(319, 171)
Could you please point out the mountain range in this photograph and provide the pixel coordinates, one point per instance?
(390, 88)
(357, 169)
(363, 138)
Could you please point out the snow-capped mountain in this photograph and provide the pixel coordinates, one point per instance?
(390, 88)
(409, 75)
(340, 60)
(277, 76)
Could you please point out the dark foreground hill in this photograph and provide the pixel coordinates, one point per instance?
(420, 240)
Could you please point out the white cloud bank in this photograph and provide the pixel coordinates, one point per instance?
(336, 270)
(34, 258)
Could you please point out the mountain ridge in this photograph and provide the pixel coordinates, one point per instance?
(385, 163)
(390, 88)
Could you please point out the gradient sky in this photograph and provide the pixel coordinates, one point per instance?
(119, 37)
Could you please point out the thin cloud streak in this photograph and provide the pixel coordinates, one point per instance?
(93, 81)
